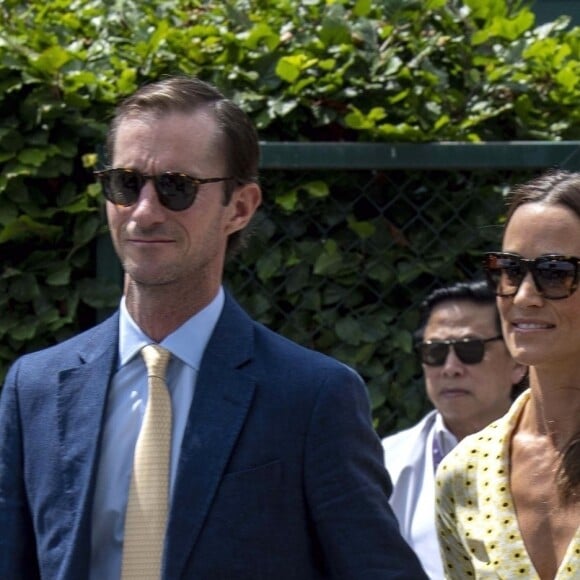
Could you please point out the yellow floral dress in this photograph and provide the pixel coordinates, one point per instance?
(475, 515)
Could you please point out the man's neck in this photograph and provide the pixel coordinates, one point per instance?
(159, 311)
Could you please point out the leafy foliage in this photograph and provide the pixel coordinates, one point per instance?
(342, 267)
(305, 70)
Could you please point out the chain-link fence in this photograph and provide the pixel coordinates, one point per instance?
(351, 237)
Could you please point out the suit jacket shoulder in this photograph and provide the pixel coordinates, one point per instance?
(281, 471)
(78, 349)
(51, 409)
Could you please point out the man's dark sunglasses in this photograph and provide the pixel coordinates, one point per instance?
(175, 191)
(469, 351)
(555, 276)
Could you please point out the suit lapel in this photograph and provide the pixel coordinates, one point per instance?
(223, 397)
(81, 400)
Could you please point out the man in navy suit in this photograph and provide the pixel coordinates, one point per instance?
(275, 470)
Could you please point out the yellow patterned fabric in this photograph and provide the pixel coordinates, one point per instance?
(475, 516)
(148, 502)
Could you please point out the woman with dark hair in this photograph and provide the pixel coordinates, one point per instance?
(508, 497)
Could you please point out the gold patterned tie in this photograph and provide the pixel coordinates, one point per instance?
(147, 507)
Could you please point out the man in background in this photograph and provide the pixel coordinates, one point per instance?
(471, 380)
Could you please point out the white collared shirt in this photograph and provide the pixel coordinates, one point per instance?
(126, 403)
(410, 458)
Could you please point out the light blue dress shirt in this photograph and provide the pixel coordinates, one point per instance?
(126, 403)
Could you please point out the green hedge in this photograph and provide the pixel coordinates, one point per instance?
(397, 70)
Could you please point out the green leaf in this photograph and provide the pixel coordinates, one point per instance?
(52, 59)
(59, 275)
(86, 228)
(568, 78)
(377, 394)
(287, 200)
(508, 28)
(297, 278)
(269, 264)
(310, 300)
(34, 157)
(363, 229)
(362, 7)
(24, 288)
(329, 260)
(402, 340)
(26, 227)
(356, 119)
(381, 273)
(25, 330)
(8, 213)
(127, 81)
(334, 29)
(99, 295)
(409, 271)
(316, 189)
(262, 33)
(348, 330)
(288, 68)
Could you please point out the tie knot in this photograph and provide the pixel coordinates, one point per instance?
(156, 358)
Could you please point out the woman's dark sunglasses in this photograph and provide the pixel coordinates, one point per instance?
(176, 191)
(469, 351)
(555, 276)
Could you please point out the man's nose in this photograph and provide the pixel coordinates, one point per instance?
(452, 364)
(148, 209)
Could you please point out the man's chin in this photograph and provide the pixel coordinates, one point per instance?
(453, 394)
(150, 279)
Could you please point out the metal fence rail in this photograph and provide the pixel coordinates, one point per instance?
(443, 156)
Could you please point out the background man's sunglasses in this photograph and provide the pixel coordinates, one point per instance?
(176, 191)
(555, 276)
(469, 351)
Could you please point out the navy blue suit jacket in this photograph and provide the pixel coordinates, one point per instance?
(280, 474)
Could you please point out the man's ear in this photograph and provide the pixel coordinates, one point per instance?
(245, 201)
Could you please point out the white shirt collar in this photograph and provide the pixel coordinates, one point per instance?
(445, 439)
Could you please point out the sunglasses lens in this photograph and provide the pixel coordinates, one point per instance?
(505, 273)
(434, 353)
(176, 191)
(470, 352)
(555, 277)
(120, 186)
